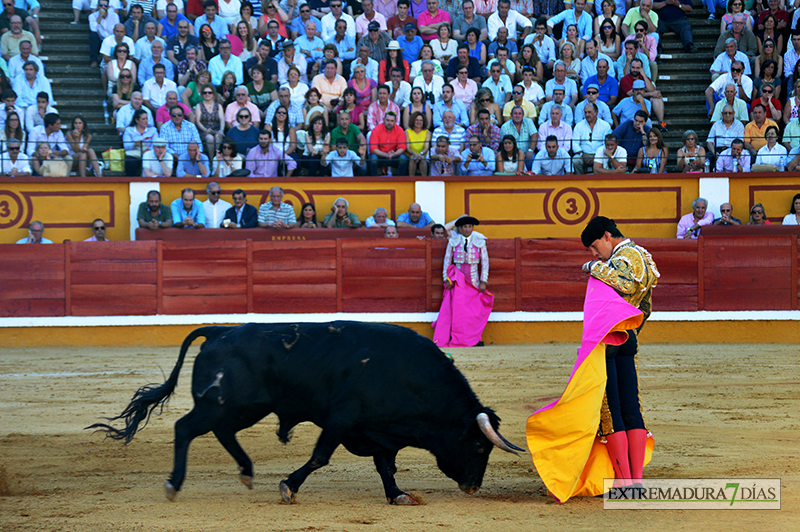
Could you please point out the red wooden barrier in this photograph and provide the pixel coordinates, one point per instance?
(116, 278)
(295, 276)
(204, 278)
(33, 280)
(383, 275)
(749, 272)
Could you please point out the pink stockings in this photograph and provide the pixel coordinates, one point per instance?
(626, 450)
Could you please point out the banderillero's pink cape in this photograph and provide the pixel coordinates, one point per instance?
(563, 436)
(464, 313)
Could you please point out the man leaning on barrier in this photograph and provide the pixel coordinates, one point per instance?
(276, 214)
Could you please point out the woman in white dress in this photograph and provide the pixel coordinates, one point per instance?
(297, 88)
(444, 48)
(793, 218)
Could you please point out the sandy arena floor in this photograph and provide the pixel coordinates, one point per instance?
(715, 410)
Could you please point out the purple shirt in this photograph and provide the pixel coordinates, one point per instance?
(418, 8)
(266, 164)
(687, 221)
(725, 162)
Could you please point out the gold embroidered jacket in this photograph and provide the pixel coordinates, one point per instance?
(631, 272)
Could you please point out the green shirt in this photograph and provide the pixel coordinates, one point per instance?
(354, 221)
(164, 213)
(352, 137)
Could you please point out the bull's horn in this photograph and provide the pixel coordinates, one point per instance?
(494, 436)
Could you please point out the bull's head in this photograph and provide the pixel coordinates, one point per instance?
(466, 461)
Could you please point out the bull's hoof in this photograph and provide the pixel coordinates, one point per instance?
(289, 497)
(404, 500)
(247, 481)
(170, 491)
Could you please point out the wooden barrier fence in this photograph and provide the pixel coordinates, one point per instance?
(750, 272)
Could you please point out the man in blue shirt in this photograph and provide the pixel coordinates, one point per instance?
(575, 16)
(186, 212)
(298, 24)
(447, 103)
(35, 231)
(344, 43)
(607, 85)
(475, 160)
(225, 61)
(193, 163)
(415, 217)
(169, 24)
(146, 66)
(218, 26)
(632, 135)
(309, 44)
(627, 107)
(411, 43)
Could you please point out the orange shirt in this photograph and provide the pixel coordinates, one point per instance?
(387, 141)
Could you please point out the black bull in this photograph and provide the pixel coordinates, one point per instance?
(373, 388)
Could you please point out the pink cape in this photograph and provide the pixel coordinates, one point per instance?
(464, 313)
(562, 437)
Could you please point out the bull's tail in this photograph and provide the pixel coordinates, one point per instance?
(151, 396)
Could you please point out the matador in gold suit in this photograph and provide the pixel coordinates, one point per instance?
(631, 271)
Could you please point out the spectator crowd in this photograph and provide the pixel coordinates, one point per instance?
(188, 212)
(220, 88)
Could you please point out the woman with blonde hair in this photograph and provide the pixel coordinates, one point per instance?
(568, 55)
(191, 96)
(758, 215)
(119, 62)
(484, 99)
(121, 92)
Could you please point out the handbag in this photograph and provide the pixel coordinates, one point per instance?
(55, 168)
(114, 160)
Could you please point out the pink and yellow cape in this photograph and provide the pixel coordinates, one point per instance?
(563, 436)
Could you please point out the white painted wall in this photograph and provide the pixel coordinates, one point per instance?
(717, 191)
(429, 194)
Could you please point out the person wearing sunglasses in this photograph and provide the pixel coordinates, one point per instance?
(215, 208)
(758, 216)
(13, 162)
(299, 24)
(98, 231)
(726, 216)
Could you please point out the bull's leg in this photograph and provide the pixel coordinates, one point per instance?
(227, 438)
(194, 424)
(328, 441)
(384, 463)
